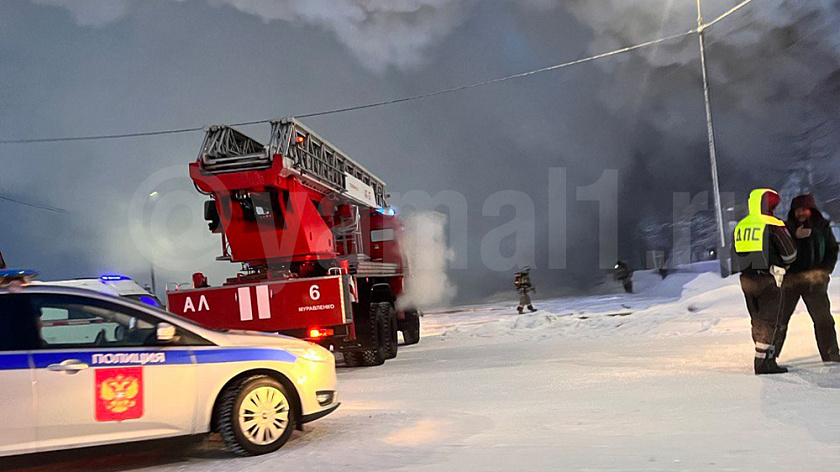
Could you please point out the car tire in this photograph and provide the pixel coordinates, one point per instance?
(411, 328)
(255, 416)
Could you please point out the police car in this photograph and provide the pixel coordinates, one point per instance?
(147, 374)
(113, 284)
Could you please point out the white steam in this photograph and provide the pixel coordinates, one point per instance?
(428, 256)
(400, 33)
(380, 33)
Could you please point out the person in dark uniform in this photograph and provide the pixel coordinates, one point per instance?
(809, 274)
(762, 250)
(522, 282)
(622, 273)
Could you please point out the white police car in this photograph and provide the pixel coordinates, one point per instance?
(112, 284)
(147, 374)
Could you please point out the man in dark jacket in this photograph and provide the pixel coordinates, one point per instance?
(808, 276)
(761, 251)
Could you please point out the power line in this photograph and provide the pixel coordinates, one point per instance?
(359, 107)
(731, 11)
(396, 100)
(32, 205)
(500, 79)
(99, 136)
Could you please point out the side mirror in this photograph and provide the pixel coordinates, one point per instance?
(166, 333)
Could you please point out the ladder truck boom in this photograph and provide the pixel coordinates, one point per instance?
(303, 152)
(318, 244)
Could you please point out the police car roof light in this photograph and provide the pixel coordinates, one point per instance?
(113, 277)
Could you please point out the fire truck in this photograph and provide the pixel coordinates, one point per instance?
(318, 244)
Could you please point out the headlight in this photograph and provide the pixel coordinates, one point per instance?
(312, 354)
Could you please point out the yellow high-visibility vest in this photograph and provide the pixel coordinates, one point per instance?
(749, 234)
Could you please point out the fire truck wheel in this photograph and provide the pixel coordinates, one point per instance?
(255, 416)
(388, 330)
(411, 328)
(353, 359)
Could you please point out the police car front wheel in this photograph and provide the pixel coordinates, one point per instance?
(255, 416)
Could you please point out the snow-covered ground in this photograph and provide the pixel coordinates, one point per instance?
(660, 380)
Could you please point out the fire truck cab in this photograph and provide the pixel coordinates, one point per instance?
(316, 240)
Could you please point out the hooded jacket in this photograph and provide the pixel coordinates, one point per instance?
(819, 250)
(762, 240)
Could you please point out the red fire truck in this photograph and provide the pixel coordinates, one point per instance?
(318, 244)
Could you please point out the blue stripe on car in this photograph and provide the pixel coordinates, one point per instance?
(14, 361)
(125, 358)
(211, 356)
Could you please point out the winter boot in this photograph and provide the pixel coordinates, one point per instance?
(531, 307)
(768, 366)
(519, 309)
(765, 362)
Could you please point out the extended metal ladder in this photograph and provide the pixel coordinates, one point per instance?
(304, 152)
(310, 155)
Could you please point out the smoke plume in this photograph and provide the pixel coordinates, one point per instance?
(428, 256)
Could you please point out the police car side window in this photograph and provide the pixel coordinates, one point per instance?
(18, 330)
(76, 322)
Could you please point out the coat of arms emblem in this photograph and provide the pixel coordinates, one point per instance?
(119, 394)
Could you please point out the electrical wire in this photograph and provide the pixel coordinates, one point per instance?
(32, 205)
(396, 100)
(100, 136)
(731, 11)
(364, 106)
(500, 79)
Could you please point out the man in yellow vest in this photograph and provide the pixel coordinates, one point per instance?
(762, 250)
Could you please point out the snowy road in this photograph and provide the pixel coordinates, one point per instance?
(624, 383)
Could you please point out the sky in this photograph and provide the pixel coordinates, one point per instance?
(112, 66)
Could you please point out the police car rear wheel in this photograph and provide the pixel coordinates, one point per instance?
(255, 416)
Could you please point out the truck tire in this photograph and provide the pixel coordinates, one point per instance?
(353, 359)
(376, 353)
(382, 328)
(411, 328)
(255, 416)
(387, 329)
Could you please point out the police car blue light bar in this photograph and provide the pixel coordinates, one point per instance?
(113, 277)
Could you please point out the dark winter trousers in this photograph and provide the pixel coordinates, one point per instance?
(764, 302)
(812, 287)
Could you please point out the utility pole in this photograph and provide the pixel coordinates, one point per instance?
(701, 33)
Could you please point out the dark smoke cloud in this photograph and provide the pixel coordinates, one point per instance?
(149, 65)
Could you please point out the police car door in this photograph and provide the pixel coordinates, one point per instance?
(101, 377)
(18, 335)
